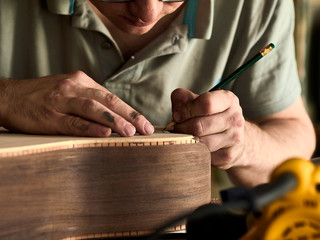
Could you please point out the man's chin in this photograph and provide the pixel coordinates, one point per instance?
(139, 32)
(136, 30)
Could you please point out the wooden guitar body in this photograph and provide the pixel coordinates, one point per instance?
(55, 187)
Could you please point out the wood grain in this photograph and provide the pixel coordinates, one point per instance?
(74, 188)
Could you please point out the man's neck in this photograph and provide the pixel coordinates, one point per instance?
(130, 44)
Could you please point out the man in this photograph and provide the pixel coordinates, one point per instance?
(90, 67)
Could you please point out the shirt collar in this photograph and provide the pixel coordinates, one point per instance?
(63, 7)
(203, 22)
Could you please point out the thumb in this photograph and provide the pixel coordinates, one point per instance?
(179, 100)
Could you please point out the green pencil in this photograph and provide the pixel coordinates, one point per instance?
(244, 67)
(235, 74)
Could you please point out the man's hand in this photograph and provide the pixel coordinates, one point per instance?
(216, 118)
(70, 104)
(248, 151)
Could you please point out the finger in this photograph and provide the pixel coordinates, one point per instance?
(224, 151)
(206, 104)
(94, 111)
(116, 105)
(215, 142)
(62, 124)
(213, 124)
(181, 96)
(226, 158)
(214, 136)
(72, 125)
(84, 86)
(203, 126)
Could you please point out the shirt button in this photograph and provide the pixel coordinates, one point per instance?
(106, 45)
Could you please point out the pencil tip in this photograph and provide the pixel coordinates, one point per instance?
(170, 126)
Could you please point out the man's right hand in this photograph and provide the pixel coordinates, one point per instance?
(68, 104)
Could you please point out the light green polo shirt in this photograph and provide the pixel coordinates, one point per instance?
(39, 38)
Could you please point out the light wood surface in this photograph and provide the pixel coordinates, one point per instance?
(59, 187)
(12, 144)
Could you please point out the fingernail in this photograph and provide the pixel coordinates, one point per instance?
(105, 132)
(148, 128)
(130, 130)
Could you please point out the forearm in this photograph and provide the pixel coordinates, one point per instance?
(3, 98)
(267, 145)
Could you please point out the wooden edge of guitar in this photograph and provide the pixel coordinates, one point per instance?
(60, 187)
(13, 144)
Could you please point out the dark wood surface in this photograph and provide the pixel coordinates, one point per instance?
(172, 236)
(106, 191)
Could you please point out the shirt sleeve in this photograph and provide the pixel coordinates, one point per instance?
(272, 84)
